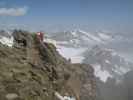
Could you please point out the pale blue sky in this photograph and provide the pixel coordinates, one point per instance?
(112, 15)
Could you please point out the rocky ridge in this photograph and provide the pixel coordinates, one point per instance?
(32, 70)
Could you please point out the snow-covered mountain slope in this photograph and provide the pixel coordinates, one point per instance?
(105, 37)
(102, 74)
(80, 38)
(107, 63)
(71, 53)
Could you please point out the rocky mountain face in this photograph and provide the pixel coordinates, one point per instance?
(84, 73)
(111, 90)
(111, 67)
(113, 72)
(107, 62)
(32, 70)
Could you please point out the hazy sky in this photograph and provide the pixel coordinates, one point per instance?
(112, 15)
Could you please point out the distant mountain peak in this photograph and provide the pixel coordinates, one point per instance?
(78, 38)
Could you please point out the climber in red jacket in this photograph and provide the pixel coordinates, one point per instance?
(40, 36)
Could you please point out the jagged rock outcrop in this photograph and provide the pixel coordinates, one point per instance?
(84, 73)
(32, 70)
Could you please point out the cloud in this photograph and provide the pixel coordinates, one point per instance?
(13, 11)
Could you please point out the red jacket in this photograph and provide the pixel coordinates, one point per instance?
(40, 36)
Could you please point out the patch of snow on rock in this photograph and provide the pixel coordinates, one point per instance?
(7, 41)
(102, 74)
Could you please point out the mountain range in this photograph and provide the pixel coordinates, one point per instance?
(101, 49)
(88, 48)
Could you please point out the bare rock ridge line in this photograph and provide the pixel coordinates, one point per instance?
(33, 70)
